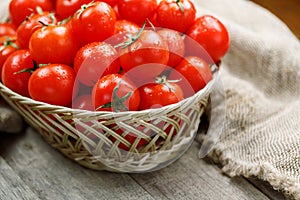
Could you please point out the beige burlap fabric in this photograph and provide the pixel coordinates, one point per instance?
(261, 78)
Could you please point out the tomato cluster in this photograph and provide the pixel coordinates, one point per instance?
(111, 55)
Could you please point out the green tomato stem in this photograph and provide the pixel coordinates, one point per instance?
(131, 39)
(180, 5)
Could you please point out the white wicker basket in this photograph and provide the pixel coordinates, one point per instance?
(84, 136)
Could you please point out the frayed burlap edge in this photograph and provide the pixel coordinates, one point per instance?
(263, 171)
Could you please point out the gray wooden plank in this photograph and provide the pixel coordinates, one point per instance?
(11, 185)
(53, 176)
(192, 178)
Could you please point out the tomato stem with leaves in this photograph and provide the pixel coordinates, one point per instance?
(117, 102)
(131, 38)
(51, 16)
(84, 7)
(166, 82)
(9, 42)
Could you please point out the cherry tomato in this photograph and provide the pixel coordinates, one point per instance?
(178, 15)
(66, 8)
(159, 94)
(94, 22)
(175, 44)
(112, 3)
(12, 77)
(30, 25)
(83, 102)
(146, 57)
(122, 29)
(193, 72)
(20, 9)
(8, 45)
(7, 28)
(53, 44)
(211, 34)
(136, 10)
(53, 84)
(94, 61)
(115, 92)
(130, 140)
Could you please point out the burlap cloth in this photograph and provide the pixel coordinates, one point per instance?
(261, 79)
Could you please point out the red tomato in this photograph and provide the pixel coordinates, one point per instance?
(211, 34)
(66, 8)
(12, 77)
(176, 14)
(146, 57)
(53, 84)
(94, 61)
(83, 102)
(112, 3)
(8, 45)
(175, 44)
(192, 72)
(53, 44)
(136, 10)
(7, 28)
(30, 25)
(130, 140)
(93, 23)
(126, 27)
(20, 9)
(159, 94)
(115, 92)
(121, 31)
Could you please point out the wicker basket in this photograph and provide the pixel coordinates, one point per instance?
(84, 136)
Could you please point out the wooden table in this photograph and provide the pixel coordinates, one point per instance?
(31, 169)
(287, 11)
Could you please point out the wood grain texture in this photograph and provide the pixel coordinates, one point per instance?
(191, 178)
(49, 175)
(53, 176)
(11, 185)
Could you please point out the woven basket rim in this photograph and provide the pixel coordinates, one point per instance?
(203, 92)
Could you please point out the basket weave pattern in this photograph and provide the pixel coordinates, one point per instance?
(93, 139)
(85, 136)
